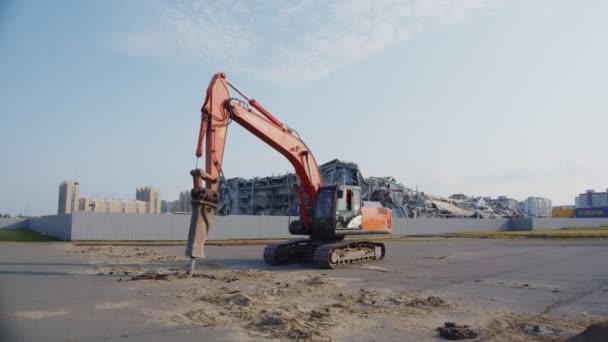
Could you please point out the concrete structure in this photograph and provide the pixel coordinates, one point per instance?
(69, 197)
(506, 202)
(537, 207)
(276, 195)
(52, 294)
(259, 196)
(148, 201)
(151, 195)
(173, 227)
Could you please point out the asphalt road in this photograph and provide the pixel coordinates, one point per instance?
(43, 297)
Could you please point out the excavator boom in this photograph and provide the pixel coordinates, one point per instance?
(217, 112)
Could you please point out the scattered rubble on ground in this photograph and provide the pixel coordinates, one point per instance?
(453, 332)
(290, 323)
(205, 318)
(302, 312)
(275, 195)
(155, 275)
(535, 329)
(128, 261)
(122, 255)
(308, 305)
(318, 281)
(530, 327)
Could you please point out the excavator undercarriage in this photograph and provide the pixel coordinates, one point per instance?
(325, 254)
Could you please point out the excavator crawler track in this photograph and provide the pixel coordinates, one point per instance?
(325, 254)
(287, 252)
(344, 253)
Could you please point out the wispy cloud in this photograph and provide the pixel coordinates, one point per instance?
(285, 41)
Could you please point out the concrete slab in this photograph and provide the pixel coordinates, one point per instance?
(45, 296)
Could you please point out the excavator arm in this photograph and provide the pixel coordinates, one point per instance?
(218, 110)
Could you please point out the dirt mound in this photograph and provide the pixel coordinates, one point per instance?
(224, 278)
(428, 302)
(290, 324)
(454, 332)
(229, 300)
(529, 327)
(156, 275)
(125, 260)
(379, 299)
(253, 274)
(151, 275)
(100, 254)
(597, 332)
(318, 281)
(205, 318)
(232, 276)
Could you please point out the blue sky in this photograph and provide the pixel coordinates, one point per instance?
(480, 97)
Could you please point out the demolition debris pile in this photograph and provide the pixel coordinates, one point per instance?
(276, 195)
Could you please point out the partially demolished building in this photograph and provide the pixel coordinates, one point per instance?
(276, 196)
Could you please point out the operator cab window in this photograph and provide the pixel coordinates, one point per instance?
(325, 204)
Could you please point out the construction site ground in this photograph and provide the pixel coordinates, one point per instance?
(505, 290)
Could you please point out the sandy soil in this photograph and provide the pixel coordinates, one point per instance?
(34, 315)
(304, 304)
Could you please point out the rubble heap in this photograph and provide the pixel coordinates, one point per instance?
(273, 195)
(276, 195)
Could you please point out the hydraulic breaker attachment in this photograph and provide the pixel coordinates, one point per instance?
(204, 203)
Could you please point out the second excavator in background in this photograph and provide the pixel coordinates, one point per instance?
(327, 213)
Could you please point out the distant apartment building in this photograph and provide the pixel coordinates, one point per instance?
(112, 205)
(592, 199)
(69, 197)
(181, 205)
(592, 204)
(537, 207)
(167, 206)
(150, 195)
(185, 202)
(70, 201)
(460, 197)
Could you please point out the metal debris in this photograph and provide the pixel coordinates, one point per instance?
(276, 195)
(273, 195)
(452, 331)
(535, 329)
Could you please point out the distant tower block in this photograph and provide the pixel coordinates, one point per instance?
(69, 197)
(152, 196)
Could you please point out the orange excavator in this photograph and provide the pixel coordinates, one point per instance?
(327, 213)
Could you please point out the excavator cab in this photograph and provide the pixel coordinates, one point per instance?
(339, 211)
(337, 207)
